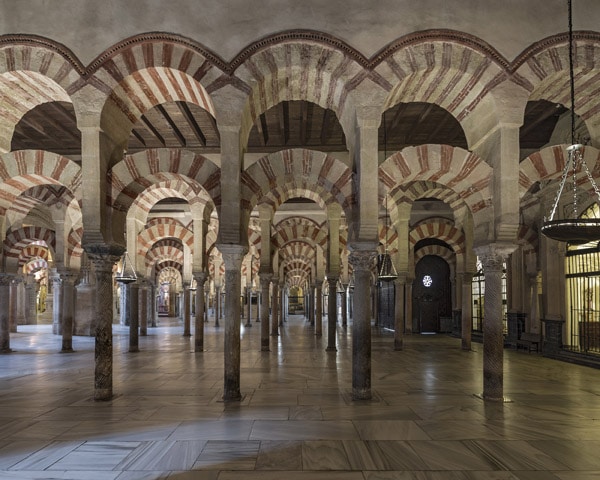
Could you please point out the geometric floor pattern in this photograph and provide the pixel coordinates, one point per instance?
(297, 419)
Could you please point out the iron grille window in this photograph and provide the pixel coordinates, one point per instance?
(478, 294)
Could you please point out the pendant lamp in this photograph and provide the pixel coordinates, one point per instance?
(573, 230)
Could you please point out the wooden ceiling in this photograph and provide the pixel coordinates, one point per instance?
(294, 124)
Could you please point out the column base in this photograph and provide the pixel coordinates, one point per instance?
(6, 350)
(133, 349)
(361, 394)
(198, 349)
(248, 325)
(331, 349)
(103, 395)
(187, 334)
(67, 350)
(487, 398)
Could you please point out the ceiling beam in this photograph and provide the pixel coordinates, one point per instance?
(189, 117)
(153, 130)
(263, 129)
(284, 121)
(176, 131)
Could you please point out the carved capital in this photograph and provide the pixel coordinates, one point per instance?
(362, 260)
(494, 255)
(200, 278)
(6, 279)
(104, 256)
(233, 255)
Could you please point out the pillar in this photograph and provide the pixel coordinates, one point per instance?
(143, 307)
(13, 304)
(492, 258)
(186, 311)
(467, 311)
(134, 336)
(362, 261)
(5, 283)
(318, 309)
(200, 278)
(57, 303)
(408, 304)
(399, 312)
(103, 257)
(275, 308)
(265, 281)
(217, 304)
(67, 279)
(344, 304)
(232, 256)
(249, 302)
(332, 313)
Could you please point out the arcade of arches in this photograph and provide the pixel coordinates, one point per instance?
(264, 183)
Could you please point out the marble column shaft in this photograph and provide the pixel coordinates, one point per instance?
(319, 309)
(143, 308)
(133, 300)
(57, 304)
(232, 256)
(103, 257)
(467, 312)
(13, 304)
(399, 313)
(332, 314)
(492, 258)
(68, 309)
(187, 326)
(275, 309)
(361, 261)
(5, 283)
(265, 281)
(217, 304)
(200, 307)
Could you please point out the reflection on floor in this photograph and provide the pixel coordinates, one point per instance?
(297, 419)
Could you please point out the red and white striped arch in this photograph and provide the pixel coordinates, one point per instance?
(25, 169)
(297, 70)
(160, 253)
(548, 164)
(299, 228)
(279, 176)
(33, 251)
(437, 250)
(33, 71)
(168, 264)
(169, 274)
(452, 70)
(162, 230)
(545, 66)
(35, 264)
(184, 171)
(463, 172)
(439, 228)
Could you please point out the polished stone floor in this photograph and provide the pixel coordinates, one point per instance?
(297, 420)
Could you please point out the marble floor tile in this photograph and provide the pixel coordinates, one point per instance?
(297, 420)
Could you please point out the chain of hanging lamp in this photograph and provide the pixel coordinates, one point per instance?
(575, 230)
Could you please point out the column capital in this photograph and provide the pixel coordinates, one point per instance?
(493, 256)
(200, 277)
(233, 255)
(6, 279)
(265, 279)
(362, 260)
(103, 256)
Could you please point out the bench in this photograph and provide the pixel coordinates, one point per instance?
(529, 341)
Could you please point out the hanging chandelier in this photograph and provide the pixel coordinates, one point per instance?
(573, 230)
(386, 271)
(127, 273)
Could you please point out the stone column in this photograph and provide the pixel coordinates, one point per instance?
(332, 313)
(57, 303)
(319, 309)
(408, 317)
(200, 307)
(68, 279)
(275, 308)
(134, 338)
(249, 302)
(311, 305)
(217, 304)
(492, 258)
(344, 302)
(467, 311)
(206, 303)
(103, 257)
(362, 261)
(143, 307)
(13, 304)
(282, 299)
(265, 281)
(30, 299)
(232, 256)
(187, 326)
(152, 310)
(399, 284)
(5, 283)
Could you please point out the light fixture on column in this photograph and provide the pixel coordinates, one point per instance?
(572, 229)
(386, 271)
